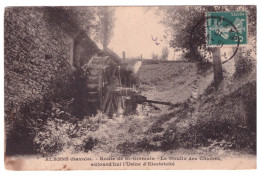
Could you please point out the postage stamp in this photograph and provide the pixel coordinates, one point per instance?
(226, 28)
(103, 87)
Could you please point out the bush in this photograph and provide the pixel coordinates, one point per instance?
(204, 67)
(243, 66)
(54, 136)
(23, 125)
(59, 134)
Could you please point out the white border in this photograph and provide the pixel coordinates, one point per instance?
(190, 174)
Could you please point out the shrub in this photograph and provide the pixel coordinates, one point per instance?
(243, 66)
(203, 67)
(59, 134)
(21, 123)
(54, 136)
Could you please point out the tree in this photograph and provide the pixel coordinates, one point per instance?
(165, 53)
(105, 25)
(180, 22)
(154, 56)
(184, 22)
(97, 22)
(73, 18)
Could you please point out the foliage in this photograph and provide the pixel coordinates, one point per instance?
(219, 123)
(53, 136)
(165, 53)
(181, 23)
(97, 22)
(28, 119)
(73, 18)
(59, 134)
(105, 25)
(244, 65)
(148, 130)
(154, 56)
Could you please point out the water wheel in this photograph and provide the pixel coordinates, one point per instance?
(101, 82)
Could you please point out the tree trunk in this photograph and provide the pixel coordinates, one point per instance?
(105, 29)
(217, 67)
(236, 57)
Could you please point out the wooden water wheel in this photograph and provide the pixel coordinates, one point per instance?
(101, 82)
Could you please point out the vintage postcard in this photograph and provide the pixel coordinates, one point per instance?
(119, 88)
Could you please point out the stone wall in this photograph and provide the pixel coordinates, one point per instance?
(37, 57)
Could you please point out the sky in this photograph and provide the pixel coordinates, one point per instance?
(133, 32)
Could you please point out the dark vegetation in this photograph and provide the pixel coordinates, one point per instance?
(223, 118)
(244, 66)
(49, 126)
(59, 121)
(179, 33)
(219, 123)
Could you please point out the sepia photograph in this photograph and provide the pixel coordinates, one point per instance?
(130, 87)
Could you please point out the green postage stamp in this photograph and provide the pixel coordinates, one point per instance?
(226, 28)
